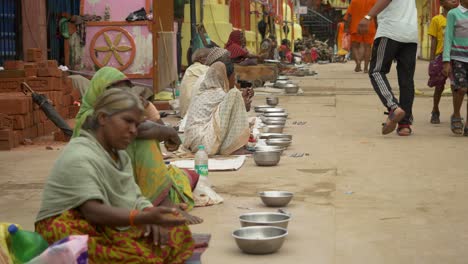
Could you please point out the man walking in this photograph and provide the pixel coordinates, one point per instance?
(360, 43)
(396, 39)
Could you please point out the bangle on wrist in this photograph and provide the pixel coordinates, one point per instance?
(133, 214)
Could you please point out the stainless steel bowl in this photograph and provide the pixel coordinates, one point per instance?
(291, 88)
(260, 239)
(272, 122)
(275, 135)
(276, 198)
(267, 158)
(269, 148)
(274, 110)
(284, 115)
(260, 108)
(280, 142)
(282, 77)
(273, 101)
(273, 129)
(265, 219)
(281, 83)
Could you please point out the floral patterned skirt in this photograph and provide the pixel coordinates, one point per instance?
(108, 245)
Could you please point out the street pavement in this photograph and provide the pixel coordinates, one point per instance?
(360, 197)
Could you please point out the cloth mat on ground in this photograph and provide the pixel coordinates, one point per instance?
(220, 163)
(201, 245)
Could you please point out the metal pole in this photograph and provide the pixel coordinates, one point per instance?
(193, 20)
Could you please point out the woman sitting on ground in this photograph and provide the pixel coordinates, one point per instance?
(217, 116)
(92, 191)
(236, 46)
(285, 51)
(161, 184)
(191, 75)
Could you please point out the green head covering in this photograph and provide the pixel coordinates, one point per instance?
(101, 80)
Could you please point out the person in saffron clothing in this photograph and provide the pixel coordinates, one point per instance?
(91, 190)
(360, 42)
(239, 53)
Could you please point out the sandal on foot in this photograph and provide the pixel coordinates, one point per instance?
(401, 130)
(465, 132)
(456, 125)
(435, 118)
(394, 117)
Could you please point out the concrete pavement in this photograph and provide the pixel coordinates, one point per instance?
(359, 197)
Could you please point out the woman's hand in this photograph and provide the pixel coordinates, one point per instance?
(160, 234)
(161, 216)
(447, 69)
(152, 130)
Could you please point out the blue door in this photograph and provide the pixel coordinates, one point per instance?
(10, 33)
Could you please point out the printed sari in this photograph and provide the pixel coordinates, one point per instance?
(156, 180)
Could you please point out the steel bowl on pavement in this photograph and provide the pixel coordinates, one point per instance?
(273, 110)
(282, 78)
(273, 101)
(260, 239)
(281, 142)
(284, 115)
(269, 148)
(277, 122)
(261, 108)
(273, 129)
(275, 135)
(276, 198)
(291, 88)
(267, 157)
(265, 219)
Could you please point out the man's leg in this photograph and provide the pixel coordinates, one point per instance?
(406, 64)
(367, 56)
(438, 90)
(356, 48)
(383, 53)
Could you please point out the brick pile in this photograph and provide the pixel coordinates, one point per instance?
(20, 118)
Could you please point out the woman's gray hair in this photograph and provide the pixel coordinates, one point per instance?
(200, 54)
(111, 102)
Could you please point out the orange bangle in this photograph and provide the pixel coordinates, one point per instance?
(133, 214)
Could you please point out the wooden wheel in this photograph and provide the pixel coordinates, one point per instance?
(113, 48)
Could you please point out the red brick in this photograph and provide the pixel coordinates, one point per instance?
(41, 84)
(6, 145)
(31, 65)
(52, 64)
(19, 137)
(13, 65)
(60, 136)
(6, 121)
(67, 99)
(6, 134)
(67, 85)
(39, 116)
(30, 72)
(15, 103)
(12, 74)
(33, 55)
(73, 111)
(23, 121)
(30, 132)
(49, 127)
(8, 85)
(40, 129)
(49, 72)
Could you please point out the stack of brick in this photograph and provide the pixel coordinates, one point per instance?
(20, 117)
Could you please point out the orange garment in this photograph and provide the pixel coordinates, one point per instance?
(339, 36)
(358, 9)
(366, 38)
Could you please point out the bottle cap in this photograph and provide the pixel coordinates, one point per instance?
(201, 147)
(12, 229)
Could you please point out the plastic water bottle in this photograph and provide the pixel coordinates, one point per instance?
(201, 162)
(25, 245)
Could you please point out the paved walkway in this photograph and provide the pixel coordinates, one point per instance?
(359, 197)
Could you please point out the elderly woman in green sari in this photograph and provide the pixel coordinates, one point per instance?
(161, 184)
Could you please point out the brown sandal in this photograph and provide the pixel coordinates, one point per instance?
(394, 117)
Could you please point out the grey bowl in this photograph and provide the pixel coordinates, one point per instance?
(281, 142)
(273, 129)
(284, 115)
(273, 110)
(273, 101)
(276, 198)
(260, 239)
(273, 122)
(282, 77)
(265, 219)
(291, 88)
(281, 83)
(267, 158)
(269, 148)
(275, 135)
(260, 108)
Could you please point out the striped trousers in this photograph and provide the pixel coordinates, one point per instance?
(384, 52)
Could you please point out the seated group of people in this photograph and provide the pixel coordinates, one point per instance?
(111, 182)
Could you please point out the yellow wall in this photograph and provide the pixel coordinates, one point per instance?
(216, 22)
(424, 19)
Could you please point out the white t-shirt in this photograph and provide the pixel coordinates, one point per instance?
(399, 21)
